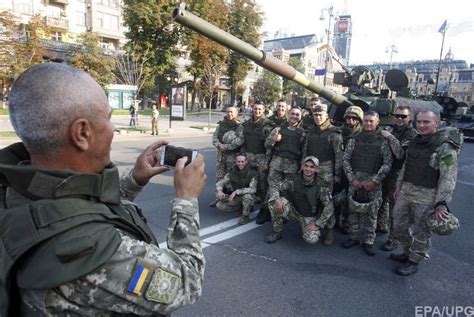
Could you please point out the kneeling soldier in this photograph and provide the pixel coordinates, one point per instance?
(242, 180)
(306, 199)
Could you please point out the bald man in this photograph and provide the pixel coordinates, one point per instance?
(74, 241)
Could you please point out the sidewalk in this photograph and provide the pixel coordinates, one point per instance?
(179, 129)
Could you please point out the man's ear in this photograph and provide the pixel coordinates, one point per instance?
(80, 132)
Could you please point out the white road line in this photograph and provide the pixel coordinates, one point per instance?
(224, 235)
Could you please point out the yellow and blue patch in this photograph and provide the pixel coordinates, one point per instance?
(138, 279)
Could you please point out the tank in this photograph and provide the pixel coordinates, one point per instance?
(359, 80)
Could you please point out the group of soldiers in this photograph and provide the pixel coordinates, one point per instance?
(364, 179)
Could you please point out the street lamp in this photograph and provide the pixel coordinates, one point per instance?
(330, 13)
(391, 49)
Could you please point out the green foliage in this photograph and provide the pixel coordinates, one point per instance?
(267, 87)
(290, 86)
(91, 59)
(149, 31)
(245, 21)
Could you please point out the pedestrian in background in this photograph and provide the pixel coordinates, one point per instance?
(154, 120)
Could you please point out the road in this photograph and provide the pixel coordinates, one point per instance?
(247, 277)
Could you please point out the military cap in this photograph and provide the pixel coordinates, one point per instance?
(443, 227)
(313, 159)
(355, 110)
(320, 108)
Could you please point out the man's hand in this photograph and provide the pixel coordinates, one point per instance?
(279, 206)
(276, 137)
(148, 164)
(220, 195)
(396, 194)
(264, 168)
(189, 181)
(369, 185)
(232, 196)
(386, 134)
(221, 147)
(441, 213)
(356, 184)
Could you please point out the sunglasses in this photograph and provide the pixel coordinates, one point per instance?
(401, 116)
(352, 118)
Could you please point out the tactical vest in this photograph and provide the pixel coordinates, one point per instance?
(319, 144)
(402, 135)
(255, 136)
(305, 198)
(241, 179)
(57, 233)
(417, 168)
(367, 156)
(224, 126)
(290, 145)
(348, 133)
(308, 121)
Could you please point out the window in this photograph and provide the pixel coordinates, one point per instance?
(81, 18)
(108, 21)
(56, 36)
(23, 6)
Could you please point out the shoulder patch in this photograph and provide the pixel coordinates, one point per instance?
(140, 275)
(448, 160)
(163, 287)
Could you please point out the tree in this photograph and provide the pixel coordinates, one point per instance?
(90, 58)
(149, 31)
(209, 83)
(267, 87)
(289, 86)
(205, 53)
(132, 69)
(20, 48)
(245, 21)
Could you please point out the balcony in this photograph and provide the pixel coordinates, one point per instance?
(58, 23)
(65, 2)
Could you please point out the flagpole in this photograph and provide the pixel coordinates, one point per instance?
(439, 64)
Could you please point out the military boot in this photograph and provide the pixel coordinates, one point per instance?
(329, 237)
(369, 249)
(409, 268)
(349, 243)
(273, 237)
(389, 245)
(402, 257)
(263, 216)
(244, 219)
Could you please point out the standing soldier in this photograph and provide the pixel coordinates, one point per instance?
(256, 130)
(242, 181)
(403, 132)
(280, 115)
(367, 161)
(353, 117)
(308, 120)
(286, 143)
(306, 199)
(227, 138)
(424, 187)
(154, 120)
(324, 141)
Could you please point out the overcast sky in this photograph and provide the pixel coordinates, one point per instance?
(411, 25)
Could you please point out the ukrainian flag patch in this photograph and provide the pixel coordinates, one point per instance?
(139, 276)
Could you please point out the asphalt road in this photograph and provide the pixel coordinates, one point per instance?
(247, 277)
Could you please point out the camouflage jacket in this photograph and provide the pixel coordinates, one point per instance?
(233, 144)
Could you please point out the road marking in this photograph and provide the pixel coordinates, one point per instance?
(224, 235)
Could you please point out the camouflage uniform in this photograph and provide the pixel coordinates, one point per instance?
(283, 163)
(173, 276)
(428, 178)
(321, 216)
(325, 142)
(255, 134)
(245, 197)
(230, 134)
(277, 121)
(307, 122)
(398, 144)
(367, 157)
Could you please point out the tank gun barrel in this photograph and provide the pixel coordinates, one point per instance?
(273, 64)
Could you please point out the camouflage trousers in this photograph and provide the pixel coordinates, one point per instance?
(326, 172)
(258, 161)
(410, 228)
(310, 235)
(225, 162)
(280, 169)
(385, 213)
(241, 202)
(362, 224)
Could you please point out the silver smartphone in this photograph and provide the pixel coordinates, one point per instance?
(169, 154)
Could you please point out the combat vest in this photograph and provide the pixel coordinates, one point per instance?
(367, 156)
(226, 125)
(290, 145)
(404, 134)
(305, 198)
(350, 132)
(241, 178)
(319, 144)
(58, 226)
(417, 168)
(255, 136)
